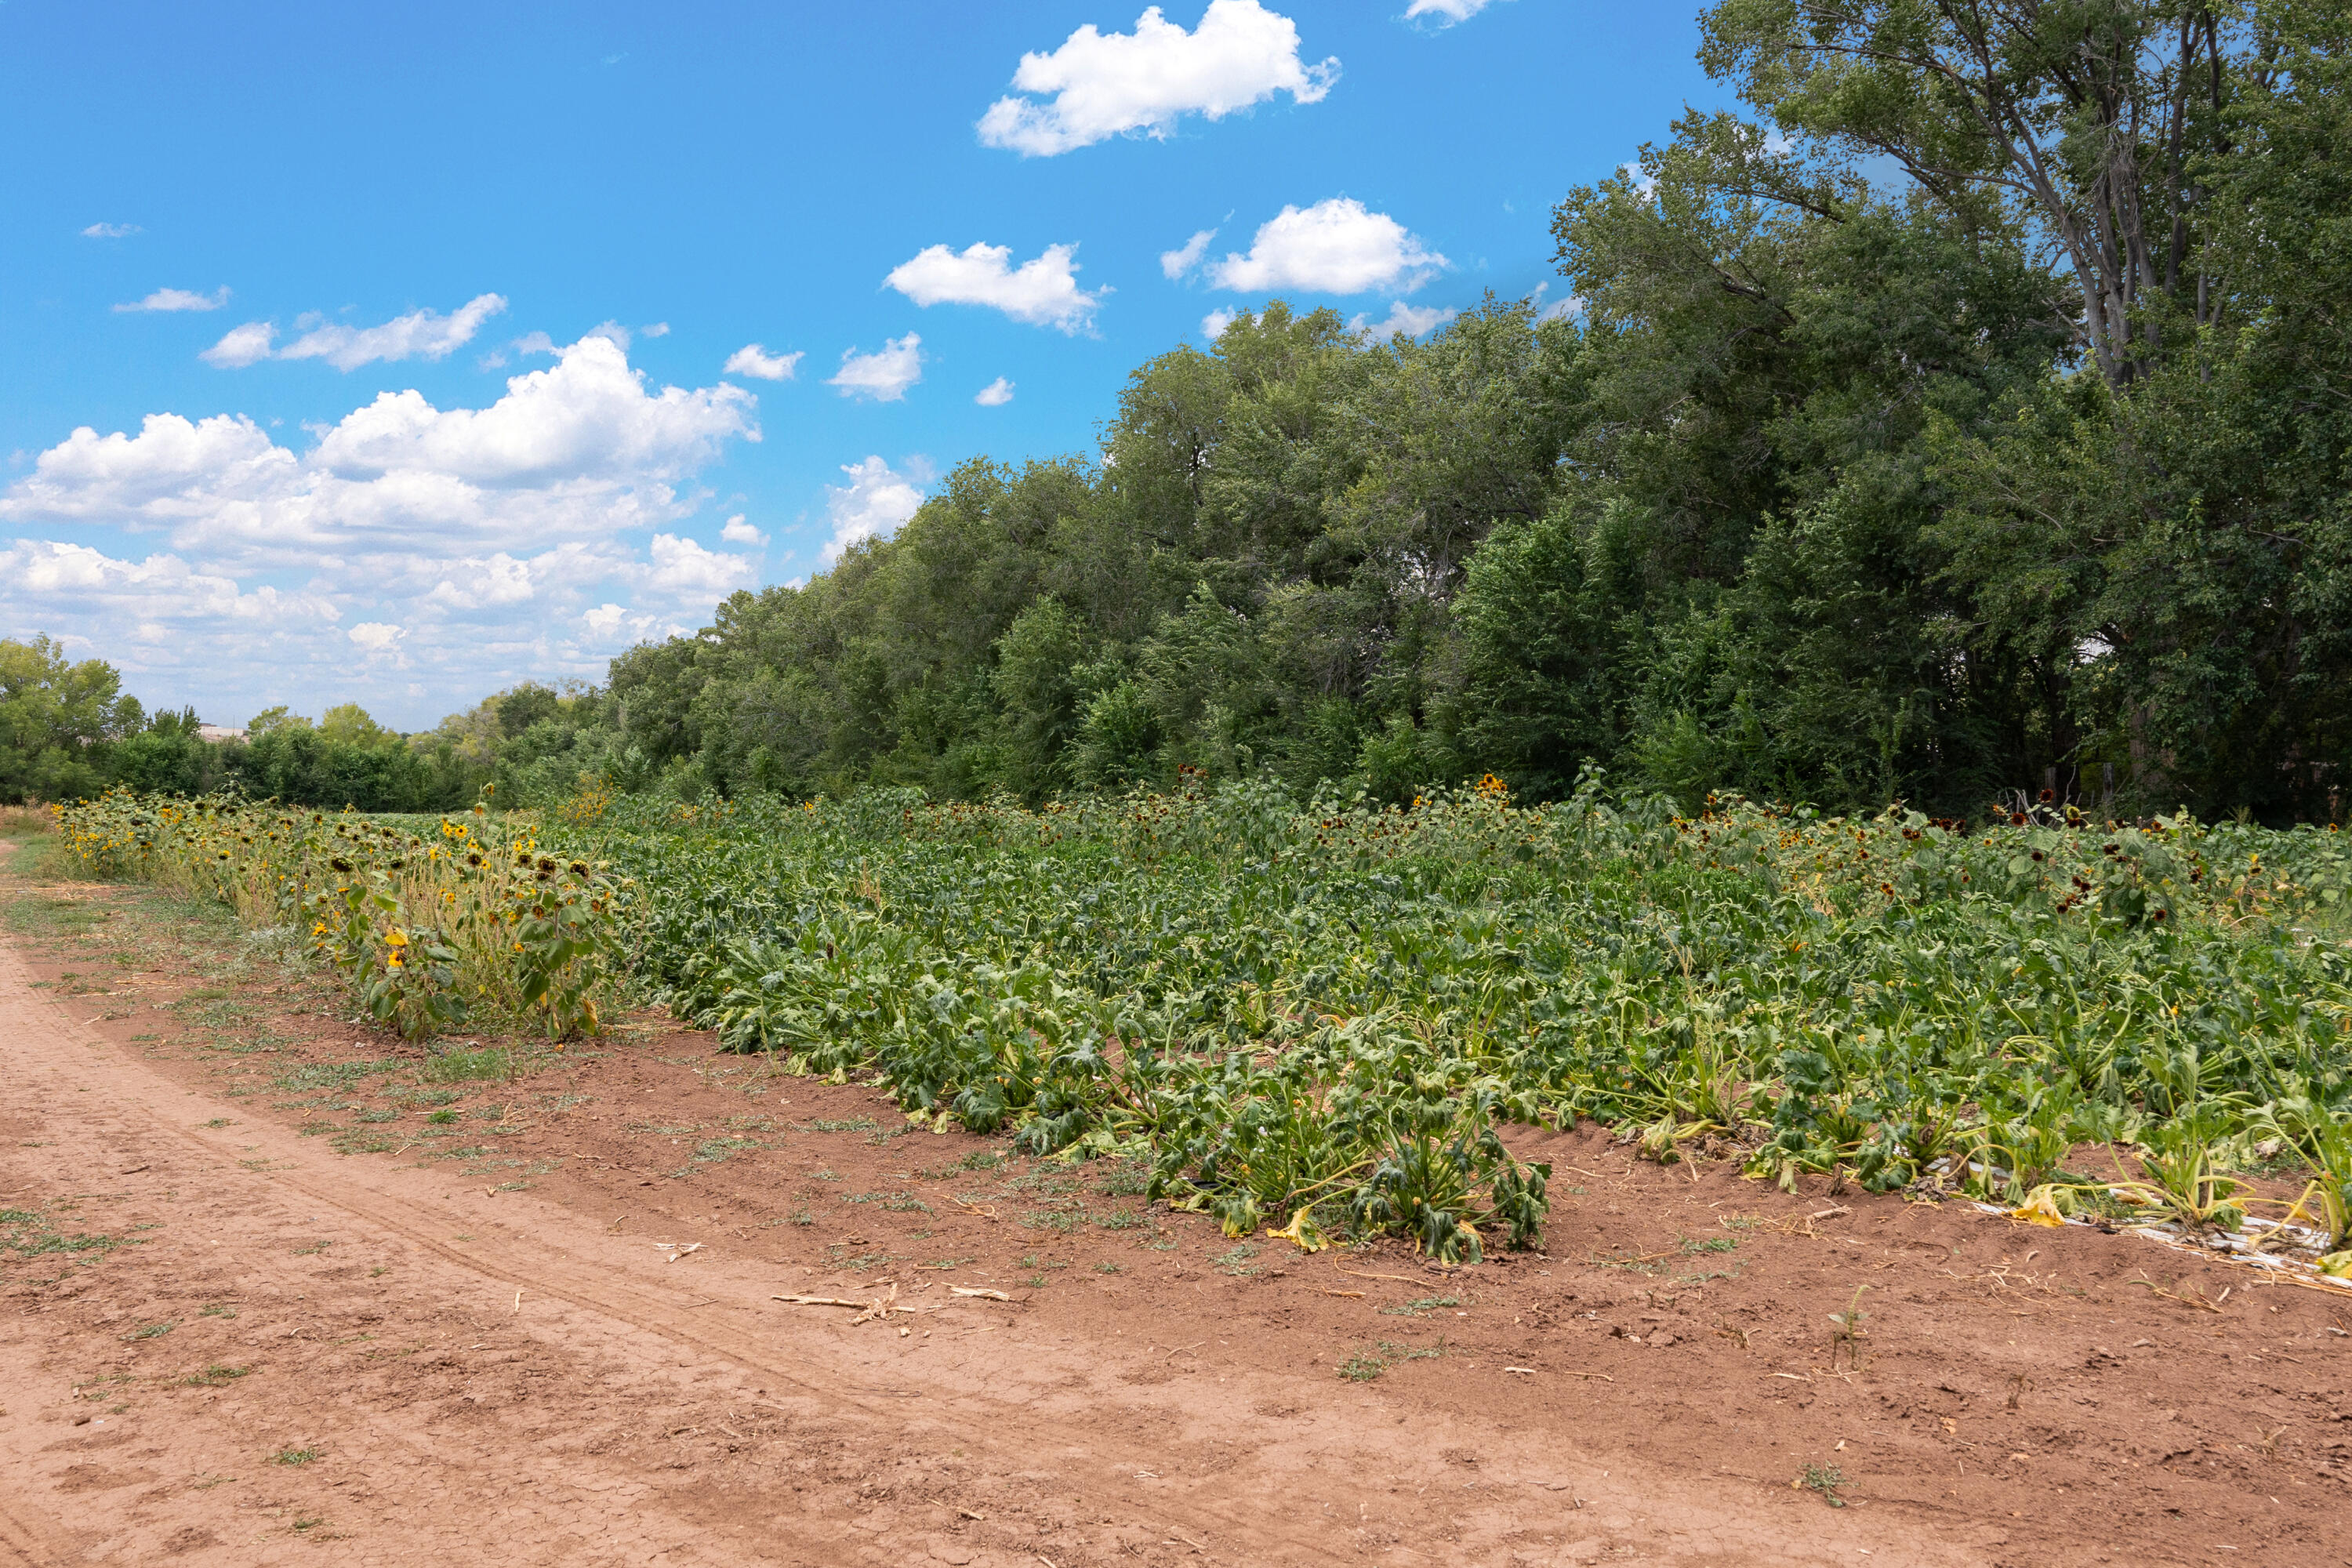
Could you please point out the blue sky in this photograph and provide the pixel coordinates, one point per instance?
(396, 354)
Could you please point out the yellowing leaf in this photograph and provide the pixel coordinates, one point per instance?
(1303, 1231)
(2040, 1207)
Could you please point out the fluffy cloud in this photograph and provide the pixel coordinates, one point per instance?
(178, 300)
(1447, 12)
(753, 360)
(884, 375)
(1404, 321)
(581, 448)
(995, 395)
(45, 582)
(1335, 247)
(683, 570)
(1174, 263)
(872, 505)
(110, 231)
(1098, 86)
(420, 334)
(379, 640)
(1044, 292)
(1213, 324)
(465, 545)
(244, 345)
(738, 532)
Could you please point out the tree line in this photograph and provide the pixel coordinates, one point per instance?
(1967, 413)
(67, 730)
(1968, 416)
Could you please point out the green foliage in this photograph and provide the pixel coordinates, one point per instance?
(1321, 1019)
(56, 718)
(424, 927)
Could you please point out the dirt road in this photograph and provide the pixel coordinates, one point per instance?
(482, 1376)
(275, 1292)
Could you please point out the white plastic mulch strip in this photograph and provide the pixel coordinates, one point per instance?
(2237, 1247)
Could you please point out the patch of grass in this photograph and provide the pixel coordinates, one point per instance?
(314, 1250)
(1108, 1267)
(214, 1376)
(1825, 1479)
(1062, 1220)
(218, 1309)
(442, 1118)
(897, 1203)
(377, 1116)
(824, 1175)
(364, 1143)
(290, 1456)
(712, 1150)
(1126, 1179)
(1235, 1260)
(490, 1062)
(833, 1124)
(336, 1076)
(26, 1233)
(153, 1330)
(1423, 1308)
(801, 1217)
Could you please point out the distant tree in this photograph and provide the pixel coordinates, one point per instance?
(57, 718)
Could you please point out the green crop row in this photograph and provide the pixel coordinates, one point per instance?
(1318, 1013)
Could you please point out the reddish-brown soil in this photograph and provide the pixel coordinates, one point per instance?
(472, 1345)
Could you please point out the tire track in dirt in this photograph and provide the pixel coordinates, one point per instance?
(1061, 1458)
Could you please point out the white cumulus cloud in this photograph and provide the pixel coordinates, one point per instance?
(377, 636)
(420, 334)
(885, 374)
(1175, 263)
(1404, 321)
(681, 570)
(875, 501)
(738, 532)
(466, 545)
(1447, 12)
(1044, 291)
(242, 346)
(179, 299)
(1097, 85)
(754, 359)
(1335, 246)
(1213, 324)
(581, 447)
(45, 582)
(110, 230)
(995, 395)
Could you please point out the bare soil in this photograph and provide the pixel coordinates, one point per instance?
(261, 1306)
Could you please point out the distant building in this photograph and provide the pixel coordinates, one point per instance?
(218, 732)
